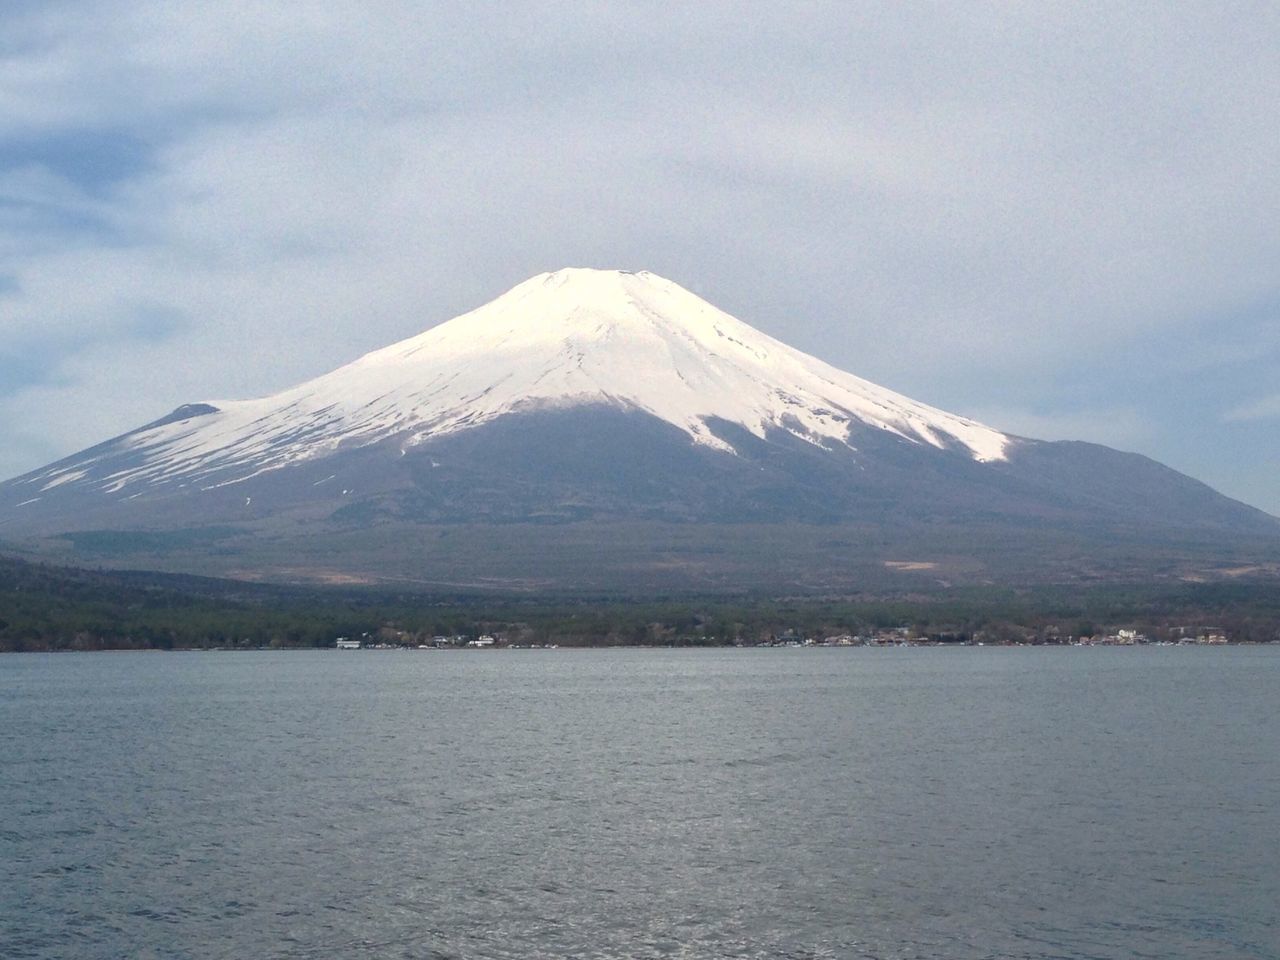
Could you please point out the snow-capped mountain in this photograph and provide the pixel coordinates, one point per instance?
(593, 396)
(575, 337)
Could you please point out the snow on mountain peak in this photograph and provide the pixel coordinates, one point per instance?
(571, 337)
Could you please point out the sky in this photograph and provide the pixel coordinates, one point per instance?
(1060, 219)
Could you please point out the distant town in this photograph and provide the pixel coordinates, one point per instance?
(390, 639)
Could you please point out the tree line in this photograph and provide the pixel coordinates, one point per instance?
(46, 607)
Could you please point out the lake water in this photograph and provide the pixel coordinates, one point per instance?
(929, 803)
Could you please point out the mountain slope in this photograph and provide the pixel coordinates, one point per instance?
(598, 397)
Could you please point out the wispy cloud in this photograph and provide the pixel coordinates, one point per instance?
(1266, 408)
(42, 359)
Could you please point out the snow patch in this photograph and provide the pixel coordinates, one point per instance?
(67, 476)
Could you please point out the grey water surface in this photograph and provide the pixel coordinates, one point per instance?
(929, 803)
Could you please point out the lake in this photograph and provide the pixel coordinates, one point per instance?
(785, 803)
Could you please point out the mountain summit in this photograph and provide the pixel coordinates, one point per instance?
(592, 397)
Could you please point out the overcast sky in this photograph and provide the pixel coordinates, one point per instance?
(1062, 219)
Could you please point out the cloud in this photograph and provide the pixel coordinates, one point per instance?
(958, 202)
(1266, 408)
(42, 359)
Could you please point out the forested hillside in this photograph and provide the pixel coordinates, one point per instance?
(48, 607)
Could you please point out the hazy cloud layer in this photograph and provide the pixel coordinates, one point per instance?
(1061, 218)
